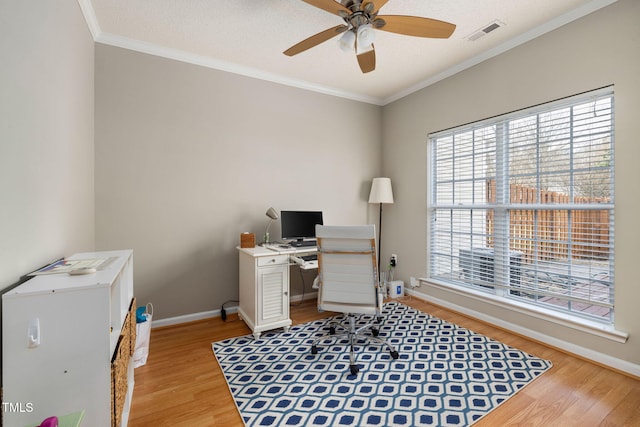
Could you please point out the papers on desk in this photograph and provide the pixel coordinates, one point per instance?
(68, 265)
(279, 247)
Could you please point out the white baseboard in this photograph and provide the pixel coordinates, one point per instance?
(190, 317)
(216, 313)
(601, 358)
(307, 296)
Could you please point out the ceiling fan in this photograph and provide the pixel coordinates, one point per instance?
(361, 19)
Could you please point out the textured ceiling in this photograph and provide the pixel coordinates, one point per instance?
(248, 37)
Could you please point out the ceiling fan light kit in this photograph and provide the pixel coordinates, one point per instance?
(361, 20)
(365, 37)
(348, 41)
(359, 41)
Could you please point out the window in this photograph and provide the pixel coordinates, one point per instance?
(521, 206)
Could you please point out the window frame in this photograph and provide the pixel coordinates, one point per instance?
(501, 293)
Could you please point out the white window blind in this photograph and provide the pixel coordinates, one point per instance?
(521, 205)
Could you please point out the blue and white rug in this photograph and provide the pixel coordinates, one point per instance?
(445, 376)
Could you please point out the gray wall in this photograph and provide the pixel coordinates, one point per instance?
(188, 157)
(46, 135)
(597, 50)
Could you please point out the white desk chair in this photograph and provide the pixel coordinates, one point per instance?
(348, 283)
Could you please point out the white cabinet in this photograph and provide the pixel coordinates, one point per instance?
(264, 290)
(62, 336)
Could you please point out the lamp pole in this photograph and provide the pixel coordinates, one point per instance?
(381, 192)
(379, 239)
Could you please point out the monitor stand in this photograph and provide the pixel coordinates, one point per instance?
(302, 243)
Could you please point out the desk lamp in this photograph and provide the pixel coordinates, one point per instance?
(381, 192)
(271, 213)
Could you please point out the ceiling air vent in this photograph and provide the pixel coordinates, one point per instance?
(485, 30)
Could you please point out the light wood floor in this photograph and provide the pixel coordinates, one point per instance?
(182, 384)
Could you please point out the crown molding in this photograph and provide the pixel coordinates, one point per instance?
(182, 56)
(90, 17)
(149, 48)
(510, 44)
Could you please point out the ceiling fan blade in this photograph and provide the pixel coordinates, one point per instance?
(367, 61)
(315, 40)
(329, 5)
(415, 26)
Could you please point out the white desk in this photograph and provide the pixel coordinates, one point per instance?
(264, 285)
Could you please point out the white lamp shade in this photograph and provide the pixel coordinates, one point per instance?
(366, 36)
(348, 41)
(381, 191)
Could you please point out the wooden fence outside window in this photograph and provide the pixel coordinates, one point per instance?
(552, 234)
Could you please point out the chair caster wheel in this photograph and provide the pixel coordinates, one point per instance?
(354, 369)
(375, 332)
(314, 349)
(394, 354)
(332, 330)
(379, 319)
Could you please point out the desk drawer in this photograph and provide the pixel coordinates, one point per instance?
(273, 260)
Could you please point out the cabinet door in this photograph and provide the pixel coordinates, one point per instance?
(273, 294)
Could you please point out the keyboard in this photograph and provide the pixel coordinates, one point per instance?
(302, 243)
(308, 258)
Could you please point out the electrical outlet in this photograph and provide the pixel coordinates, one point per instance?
(394, 260)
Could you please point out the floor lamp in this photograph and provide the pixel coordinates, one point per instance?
(381, 192)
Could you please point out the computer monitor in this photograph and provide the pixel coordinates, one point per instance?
(300, 225)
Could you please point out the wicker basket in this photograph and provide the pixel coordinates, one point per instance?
(132, 326)
(119, 385)
(120, 365)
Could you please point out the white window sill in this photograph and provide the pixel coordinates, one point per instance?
(574, 322)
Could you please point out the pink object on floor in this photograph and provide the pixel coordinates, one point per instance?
(50, 422)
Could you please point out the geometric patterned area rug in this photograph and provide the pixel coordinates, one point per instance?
(446, 375)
